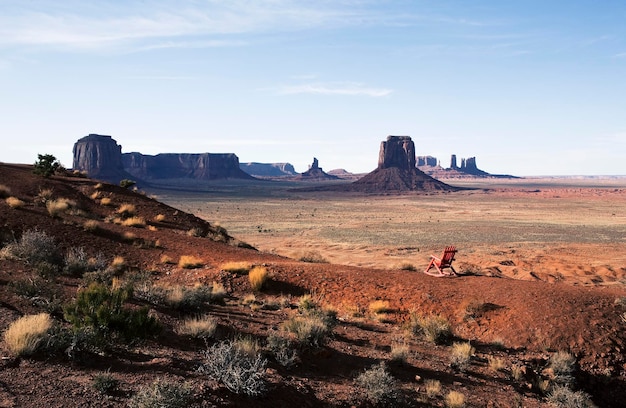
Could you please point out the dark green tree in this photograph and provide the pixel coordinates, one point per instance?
(46, 165)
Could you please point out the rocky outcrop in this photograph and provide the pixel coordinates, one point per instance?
(268, 169)
(315, 173)
(397, 151)
(201, 166)
(427, 161)
(467, 169)
(102, 158)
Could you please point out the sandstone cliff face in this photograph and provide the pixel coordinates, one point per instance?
(397, 151)
(268, 169)
(101, 157)
(202, 166)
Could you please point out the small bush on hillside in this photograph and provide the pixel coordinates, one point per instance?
(46, 165)
(257, 277)
(103, 309)
(105, 383)
(434, 328)
(378, 386)
(33, 247)
(496, 363)
(190, 262)
(407, 266)
(461, 355)
(311, 330)
(159, 218)
(236, 267)
(162, 394)
(235, 369)
(307, 303)
(312, 257)
(15, 202)
(5, 191)
(432, 388)
(91, 226)
(126, 210)
(400, 352)
(562, 366)
(24, 335)
(202, 327)
(455, 399)
(562, 397)
(188, 299)
(77, 262)
(282, 350)
(137, 222)
(126, 183)
(106, 201)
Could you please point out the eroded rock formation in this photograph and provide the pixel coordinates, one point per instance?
(101, 157)
(268, 169)
(315, 173)
(397, 151)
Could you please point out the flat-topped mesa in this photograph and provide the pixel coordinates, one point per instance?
(100, 156)
(397, 151)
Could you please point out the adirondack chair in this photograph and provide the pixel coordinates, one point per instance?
(442, 263)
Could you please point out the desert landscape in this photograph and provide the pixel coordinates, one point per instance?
(343, 315)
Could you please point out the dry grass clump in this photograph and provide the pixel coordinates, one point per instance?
(496, 363)
(379, 306)
(57, 207)
(455, 399)
(159, 218)
(15, 202)
(125, 210)
(461, 355)
(91, 225)
(24, 335)
(106, 201)
(563, 397)
(310, 329)
(190, 262)
(166, 259)
(195, 232)
(162, 394)
(190, 298)
(5, 191)
(312, 257)
(95, 195)
(239, 267)
(203, 327)
(129, 237)
(137, 222)
(257, 277)
(434, 328)
(432, 388)
(407, 266)
(561, 368)
(400, 352)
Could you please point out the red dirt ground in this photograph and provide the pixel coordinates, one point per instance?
(521, 322)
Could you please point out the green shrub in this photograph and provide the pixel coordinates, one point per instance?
(311, 330)
(282, 350)
(378, 386)
(102, 309)
(105, 383)
(46, 165)
(162, 394)
(126, 183)
(240, 372)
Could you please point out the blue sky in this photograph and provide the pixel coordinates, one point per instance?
(527, 87)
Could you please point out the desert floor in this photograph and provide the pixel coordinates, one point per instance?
(550, 229)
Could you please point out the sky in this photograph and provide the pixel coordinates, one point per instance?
(528, 87)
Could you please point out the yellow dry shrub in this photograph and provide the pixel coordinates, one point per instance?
(5, 191)
(236, 267)
(257, 277)
(106, 201)
(15, 202)
(159, 218)
(198, 327)
(190, 262)
(57, 207)
(455, 399)
(91, 225)
(126, 210)
(137, 222)
(24, 335)
(379, 306)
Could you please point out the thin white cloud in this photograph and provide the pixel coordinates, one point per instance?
(620, 55)
(343, 89)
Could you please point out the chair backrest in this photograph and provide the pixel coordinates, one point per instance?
(448, 255)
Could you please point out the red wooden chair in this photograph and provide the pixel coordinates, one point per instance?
(442, 263)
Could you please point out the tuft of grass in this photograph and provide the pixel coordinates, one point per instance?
(58, 207)
(407, 266)
(307, 303)
(5, 191)
(95, 195)
(455, 399)
(312, 257)
(190, 299)
(125, 210)
(496, 363)
(105, 383)
(137, 222)
(106, 201)
(378, 386)
(91, 226)
(461, 355)
(202, 327)
(99, 186)
(400, 352)
(311, 330)
(195, 232)
(159, 218)
(239, 267)
(162, 394)
(166, 259)
(257, 277)
(379, 306)
(24, 335)
(190, 262)
(518, 371)
(562, 365)
(432, 388)
(117, 264)
(434, 328)
(15, 202)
